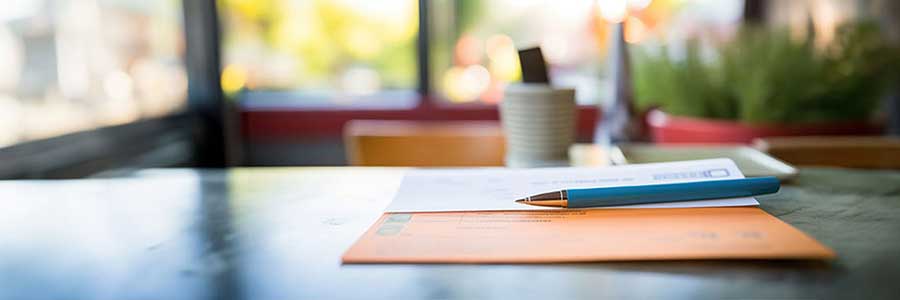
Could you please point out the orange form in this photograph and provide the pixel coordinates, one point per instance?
(583, 236)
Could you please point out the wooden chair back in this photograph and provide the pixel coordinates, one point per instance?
(424, 143)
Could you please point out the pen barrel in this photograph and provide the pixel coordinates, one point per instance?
(673, 192)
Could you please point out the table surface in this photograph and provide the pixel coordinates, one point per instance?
(278, 233)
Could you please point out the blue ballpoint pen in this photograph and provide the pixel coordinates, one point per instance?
(655, 193)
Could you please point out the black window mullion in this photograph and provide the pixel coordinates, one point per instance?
(422, 51)
(206, 101)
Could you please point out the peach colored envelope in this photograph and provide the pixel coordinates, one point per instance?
(582, 236)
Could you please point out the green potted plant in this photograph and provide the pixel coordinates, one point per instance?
(764, 83)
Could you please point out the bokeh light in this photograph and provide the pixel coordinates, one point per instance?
(466, 84)
(614, 11)
(468, 50)
(234, 77)
(636, 5)
(635, 30)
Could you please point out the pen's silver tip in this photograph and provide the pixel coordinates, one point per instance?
(520, 201)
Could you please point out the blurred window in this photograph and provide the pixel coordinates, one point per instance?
(474, 45)
(474, 49)
(329, 53)
(324, 52)
(73, 65)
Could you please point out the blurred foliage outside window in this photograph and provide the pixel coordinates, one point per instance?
(72, 65)
(330, 50)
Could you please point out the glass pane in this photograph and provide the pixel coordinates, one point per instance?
(71, 65)
(323, 51)
(474, 49)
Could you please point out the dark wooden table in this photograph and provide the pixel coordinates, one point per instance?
(278, 233)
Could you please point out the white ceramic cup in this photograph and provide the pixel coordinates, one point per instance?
(539, 123)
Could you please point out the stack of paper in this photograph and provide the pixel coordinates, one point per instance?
(468, 216)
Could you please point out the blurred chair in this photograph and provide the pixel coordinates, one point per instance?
(424, 143)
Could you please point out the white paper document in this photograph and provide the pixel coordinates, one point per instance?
(438, 190)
